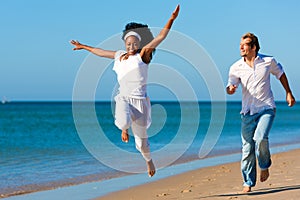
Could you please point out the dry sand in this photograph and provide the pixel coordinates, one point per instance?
(222, 182)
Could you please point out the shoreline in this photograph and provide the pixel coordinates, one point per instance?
(118, 185)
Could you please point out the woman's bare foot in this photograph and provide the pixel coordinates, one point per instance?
(151, 168)
(246, 189)
(264, 175)
(125, 136)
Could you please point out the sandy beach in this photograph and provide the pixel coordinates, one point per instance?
(222, 182)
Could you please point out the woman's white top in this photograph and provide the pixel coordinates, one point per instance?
(132, 75)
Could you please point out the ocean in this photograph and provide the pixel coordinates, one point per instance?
(46, 145)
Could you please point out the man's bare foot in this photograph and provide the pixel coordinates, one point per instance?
(246, 189)
(151, 168)
(125, 136)
(264, 175)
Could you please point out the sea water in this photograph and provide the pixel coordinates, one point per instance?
(42, 146)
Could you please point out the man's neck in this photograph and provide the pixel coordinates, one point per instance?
(250, 60)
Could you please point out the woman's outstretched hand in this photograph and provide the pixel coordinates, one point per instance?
(175, 13)
(78, 45)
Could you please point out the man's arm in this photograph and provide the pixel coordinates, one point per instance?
(289, 96)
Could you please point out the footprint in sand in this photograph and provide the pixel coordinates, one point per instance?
(186, 191)
(162, 195)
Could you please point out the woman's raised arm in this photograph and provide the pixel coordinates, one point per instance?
(147, 50)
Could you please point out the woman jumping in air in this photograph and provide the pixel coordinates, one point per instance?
(133, 108)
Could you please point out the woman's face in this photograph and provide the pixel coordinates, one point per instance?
(132, 44)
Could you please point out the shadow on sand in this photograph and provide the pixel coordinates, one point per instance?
(257, 192)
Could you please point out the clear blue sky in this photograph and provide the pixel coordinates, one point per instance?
(37, 61)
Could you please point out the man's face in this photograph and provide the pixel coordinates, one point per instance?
(245, 47)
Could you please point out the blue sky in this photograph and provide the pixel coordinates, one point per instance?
(37, 61)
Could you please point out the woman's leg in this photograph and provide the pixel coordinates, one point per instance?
(125, 135)
(122, 117)
(142, 145)
(139, 127)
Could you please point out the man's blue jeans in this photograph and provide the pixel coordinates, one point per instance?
(255, 133)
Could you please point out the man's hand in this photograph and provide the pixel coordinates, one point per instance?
(290, 99)
(231, 89)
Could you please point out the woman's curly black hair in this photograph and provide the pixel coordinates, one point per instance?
(141, 29)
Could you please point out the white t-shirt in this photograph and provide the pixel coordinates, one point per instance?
(256, 87)
(132, 75)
